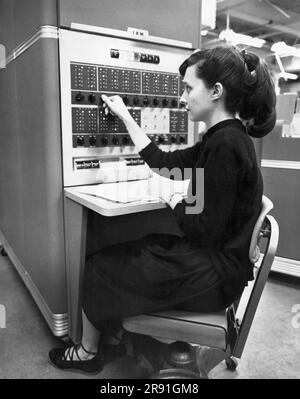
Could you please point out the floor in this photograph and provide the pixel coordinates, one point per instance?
(272, 349)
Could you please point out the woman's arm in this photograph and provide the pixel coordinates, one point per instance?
(154, 157)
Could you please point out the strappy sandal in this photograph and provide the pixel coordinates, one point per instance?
(63, 359)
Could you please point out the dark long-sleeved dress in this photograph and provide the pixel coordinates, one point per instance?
(208, 267)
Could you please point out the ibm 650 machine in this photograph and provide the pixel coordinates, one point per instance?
(60, 57)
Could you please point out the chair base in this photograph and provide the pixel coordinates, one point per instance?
(178, 360)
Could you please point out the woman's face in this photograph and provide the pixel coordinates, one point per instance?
(196, 96)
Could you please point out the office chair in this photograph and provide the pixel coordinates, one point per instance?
(197, 342)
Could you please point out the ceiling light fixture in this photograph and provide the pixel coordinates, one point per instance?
(283, 50)
(288, 75)
(283, 74)
(237, 38)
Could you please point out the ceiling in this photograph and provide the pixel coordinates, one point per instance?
(272, 20)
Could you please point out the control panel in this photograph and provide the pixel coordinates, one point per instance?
(147, 80)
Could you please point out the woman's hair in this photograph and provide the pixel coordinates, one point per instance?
(249, 89)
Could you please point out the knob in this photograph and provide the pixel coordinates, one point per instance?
(182, 139)
(173, 139)
(174, 102)
(125, 140)
(136, 100)
(101, 102)
(115, 140)
(104, 140)
(155, 102)
(79, 97)
(92, 140)
(125, 100)
(80, 141)
(165, 102)
(92, 98)
(146, 101)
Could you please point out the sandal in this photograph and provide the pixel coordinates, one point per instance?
(63, 359)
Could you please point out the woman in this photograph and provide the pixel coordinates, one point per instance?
(207, 268)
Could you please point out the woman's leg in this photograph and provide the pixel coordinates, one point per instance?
(89, 341)
(84, 356)
(90, 334)
(89, 346)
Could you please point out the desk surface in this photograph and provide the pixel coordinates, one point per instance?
(110, 208)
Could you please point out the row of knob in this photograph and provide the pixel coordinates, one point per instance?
(174, 139)
(165, 102)
(126, 140)
(104, 140)
(136, 101)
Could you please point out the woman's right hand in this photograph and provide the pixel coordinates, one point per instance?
(117, 107)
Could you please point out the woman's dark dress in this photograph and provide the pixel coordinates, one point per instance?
(206, 268)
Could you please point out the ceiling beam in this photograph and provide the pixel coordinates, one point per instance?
(264, 23)
(224, 5)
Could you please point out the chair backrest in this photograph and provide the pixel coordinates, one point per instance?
(266, 228)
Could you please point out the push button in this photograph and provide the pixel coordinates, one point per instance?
(114, 53)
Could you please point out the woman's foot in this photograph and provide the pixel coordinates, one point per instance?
(76, 357)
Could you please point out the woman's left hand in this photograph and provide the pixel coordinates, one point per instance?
(164, 188)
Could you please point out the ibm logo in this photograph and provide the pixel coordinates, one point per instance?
(2, 56)
(2, 316)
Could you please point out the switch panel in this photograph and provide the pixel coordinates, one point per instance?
(144, 75)
(151, 98)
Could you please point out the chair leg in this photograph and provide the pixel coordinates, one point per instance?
(208, 358)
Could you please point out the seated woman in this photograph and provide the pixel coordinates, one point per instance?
(208, 267)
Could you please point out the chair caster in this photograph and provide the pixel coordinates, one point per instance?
(231, 363)
(3, 252)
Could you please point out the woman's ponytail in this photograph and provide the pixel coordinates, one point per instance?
(249, 89)
(259, 102)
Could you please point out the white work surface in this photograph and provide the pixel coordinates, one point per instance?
(110, 208)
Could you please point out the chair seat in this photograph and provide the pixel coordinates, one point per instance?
(196, 328)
